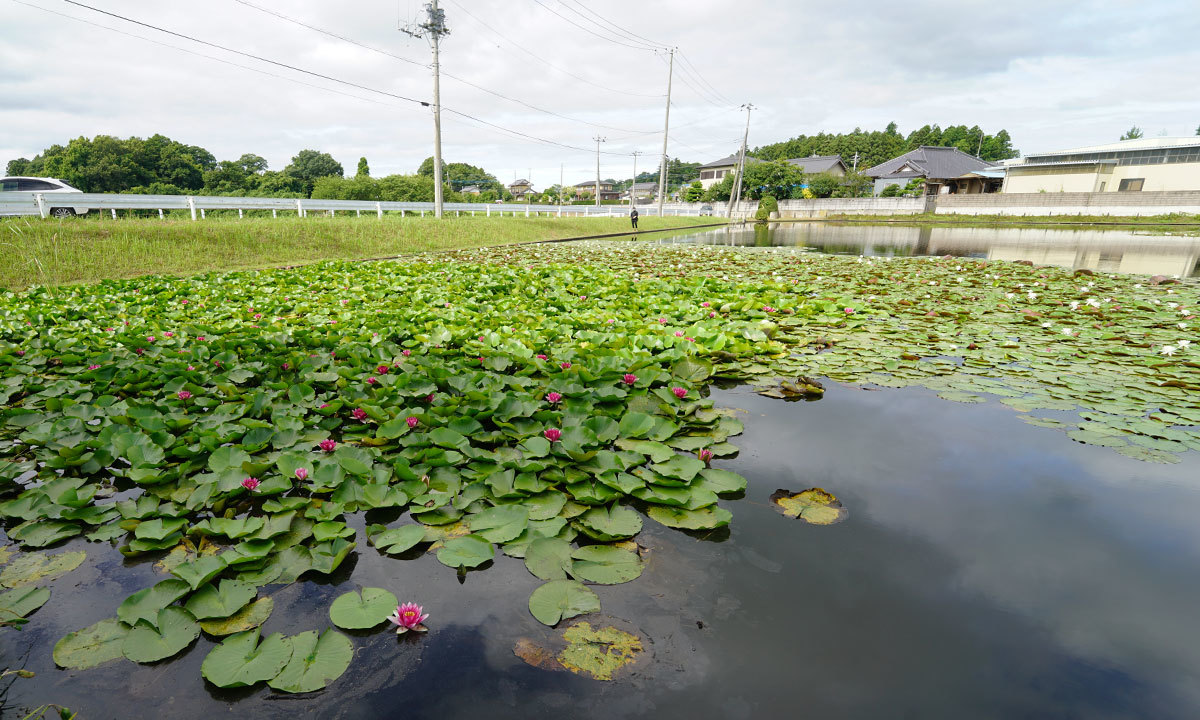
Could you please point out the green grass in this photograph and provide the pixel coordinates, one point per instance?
(55, 252)
(1171, 220)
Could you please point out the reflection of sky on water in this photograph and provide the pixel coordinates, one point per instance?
(1102, 250)
(988, 569)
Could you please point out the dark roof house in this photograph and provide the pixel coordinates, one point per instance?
(939, 166)
(820, 163)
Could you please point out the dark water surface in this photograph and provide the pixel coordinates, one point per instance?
(988, 569)
(1125, 251)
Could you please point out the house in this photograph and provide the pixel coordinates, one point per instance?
(1145, 164)
(471, 190)
(520, 189)
(940, 167)
(989, 180)
(715, 171)
(607, 191)
(642, 191)
(831, 164)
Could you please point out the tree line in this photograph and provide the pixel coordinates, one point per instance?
(878, 146)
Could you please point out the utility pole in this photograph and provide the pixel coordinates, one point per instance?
(633, 187)
(598, 140)
(434, 28)
(560, 186)
(741, 170)
(662, 175)
(855, 161)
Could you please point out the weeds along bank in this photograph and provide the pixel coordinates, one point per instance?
(51, 252)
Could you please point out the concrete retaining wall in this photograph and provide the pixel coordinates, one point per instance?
(1071, 203)
(823, 207)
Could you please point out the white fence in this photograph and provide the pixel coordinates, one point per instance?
(44, 205)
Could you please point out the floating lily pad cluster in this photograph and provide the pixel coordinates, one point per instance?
(1113, 358)
(228, 425)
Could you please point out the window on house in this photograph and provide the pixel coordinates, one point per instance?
(706, 174)
(1131, 185)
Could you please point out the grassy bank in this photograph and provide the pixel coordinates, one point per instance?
(1181, 220)
(52, 252)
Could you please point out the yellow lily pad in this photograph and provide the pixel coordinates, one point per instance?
(598, 652)
(815, 506)
(249, 617)
(35, 567)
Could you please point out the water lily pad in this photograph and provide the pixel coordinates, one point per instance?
(605, 564)
(598, 652)
(145, 604)
(36, 567)
(499, 524)
(1092, 437)
(21, 602)
(221, 600)
(91, 646)
(248, 618)
(241, 660)
(315, 662)
(814, 506)
(354, 611)
(173, 630)
(199, 571)
(613, 522)
(562, 599)
(708, 518)
(468, 551)
(41, 534)
(396, 540)
(549, 558)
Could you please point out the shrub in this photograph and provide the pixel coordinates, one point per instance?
(766, 206)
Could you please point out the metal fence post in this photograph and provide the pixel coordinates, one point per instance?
(114, 213)
(201, 214)
(239, 213)
(160, 214)
(274, 213)
(41, 203)
(192, 207)
(402, 214)
(299, 208)
(379, 210)
(488, 211)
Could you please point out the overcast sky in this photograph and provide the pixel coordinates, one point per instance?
(1054, 74)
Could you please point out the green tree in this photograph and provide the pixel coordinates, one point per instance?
(777, 178)
(894, 190)
(308, 165)
(823, 185)
(766, 206)
(694, 192)
(364, 170)
(720, 192)
(1133, 133)
(1198, 129)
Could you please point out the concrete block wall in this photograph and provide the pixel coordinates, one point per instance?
(822, 207)
(1071, 203)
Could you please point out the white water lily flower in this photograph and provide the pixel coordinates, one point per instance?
(1074, 304)
(1168, 350)
(1093, 302)
(1183, 343)
(1184, 311)
(1032, 295)
(1066, 331)
(1172, 305)
(1010, 296)
(1046, 324)
(1183, 326)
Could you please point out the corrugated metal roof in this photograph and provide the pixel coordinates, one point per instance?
(935, 163)
(1156, 143)
(1061, 162)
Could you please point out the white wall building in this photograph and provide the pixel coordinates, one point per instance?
(1145, 164)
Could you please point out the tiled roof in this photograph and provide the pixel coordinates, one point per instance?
(933, 162)
(728, 161)
(818, 163)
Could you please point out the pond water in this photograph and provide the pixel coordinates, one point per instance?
(987, 569)
(1125, 251)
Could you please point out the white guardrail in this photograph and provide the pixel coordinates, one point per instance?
(44, 205)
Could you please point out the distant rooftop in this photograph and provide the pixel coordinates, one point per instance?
(728, 161)
(817, 163)
(1155, 143)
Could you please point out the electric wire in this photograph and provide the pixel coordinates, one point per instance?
(630, 33)
(452, 111)
(589, 31)
(541, 59)
(605, 30)
(688, 61)
(446, 74)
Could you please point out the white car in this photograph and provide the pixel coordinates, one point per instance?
(54, 190)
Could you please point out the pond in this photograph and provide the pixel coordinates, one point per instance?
(987, 569)
(1124, 251)
(1014, 449)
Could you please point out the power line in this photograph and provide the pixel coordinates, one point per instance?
(696, 71)
(630, 33)
(459, 113)
(541, 59)
(210, 57)
(464, 81)
(618, 35)
(589, 31)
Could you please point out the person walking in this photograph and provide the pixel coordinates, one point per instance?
(633, 216)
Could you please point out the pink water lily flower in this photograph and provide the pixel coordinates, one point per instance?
(191, 368)
(565, 365)
(93, 367)
(150, 338)
(409, 616)
(371, 380)
(168, 335)
(678, 333)
(542, 357)
(552, 434)
(705, 304)
(406, 352)
(184, 395)
(359, 414)
(553, 397)
(251, 484)
(301, 474)
(328, 445)
(705, 455)
(629, 378)
(411, 421)
(679, 392)
(381, 370)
